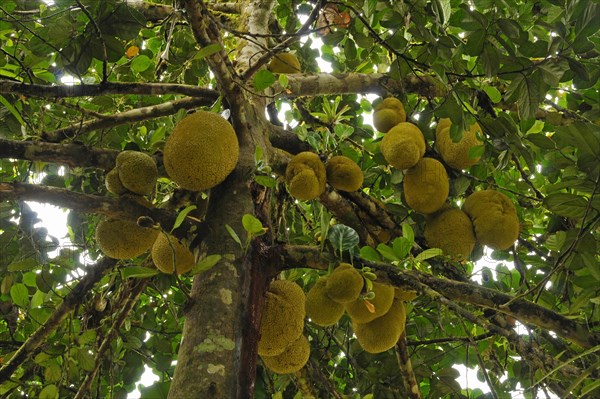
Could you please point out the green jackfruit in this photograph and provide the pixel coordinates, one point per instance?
(137, 172)
(359, 310)
(426, 186)
(344, 284)
(292, 359)
(450, 230)
(321, 309)
(283, 317)
(382, 333)
(494, 218)
(306, 176)
(123, 239)
(285, 63)
(456, 155)
(403, 146)
(201, 151)
(113, 182)
(168, 249)
(344, 174)
(388, 113)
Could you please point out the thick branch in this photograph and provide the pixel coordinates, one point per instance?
(122, 118)
(345, 83)
(124, 207)
(73, 298)
(47, 91)
(74, 155)
(521, 309)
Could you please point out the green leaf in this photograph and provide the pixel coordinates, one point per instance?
(263, 79)
(343, 237)
(206, 264)
(233, 234)
(283, 80)
(141, 63)
(251, 224)
(408, 233)
(541, 140)
(428, 254)
(565, 204)
(369, 253)
(387, 252)
(182, 215)
(476, 152)
(208, 51)
(527, 92)
(138, 272)
(49, 392)
(23, 265)
(493, 93)
(475, 42)
(12, 110)
(266, 181)
(20, 295)
(401, 247)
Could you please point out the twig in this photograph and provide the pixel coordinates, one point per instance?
(409, 379)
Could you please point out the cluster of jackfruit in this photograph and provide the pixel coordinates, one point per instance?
(282, 346)
(344, 174)
(201, 151)
(124, 239)
(494, 218)
(284, 63)
(306, 176)
(327, 299)
(378, 321)
(456, 155)
(135, 172)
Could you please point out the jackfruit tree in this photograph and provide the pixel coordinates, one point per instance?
(299, 199)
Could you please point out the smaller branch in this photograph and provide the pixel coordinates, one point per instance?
(126, 307)
(131, 116)
(100, 37)
(228, 8)
(480, 337)
(525, 178)
(343, 210)
(411, 386)
(47, 91)
(70, 301)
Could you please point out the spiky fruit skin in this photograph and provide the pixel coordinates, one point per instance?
(403, 146)
(344, 284)
(201, 151)
(306, 176)
(381, 334)
(450, 230)
(344, 174)
(292, 359)
(167, 249)
(360, 313)
(285, 63)
(443, 124)
(321, 309)
(123, 239)
(388, 113)
(113, 182)
(137, 172)
(456, 155)
(426, 186)
(494, 218)
(283, 317)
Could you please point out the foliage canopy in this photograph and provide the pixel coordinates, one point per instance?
(82, 80)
